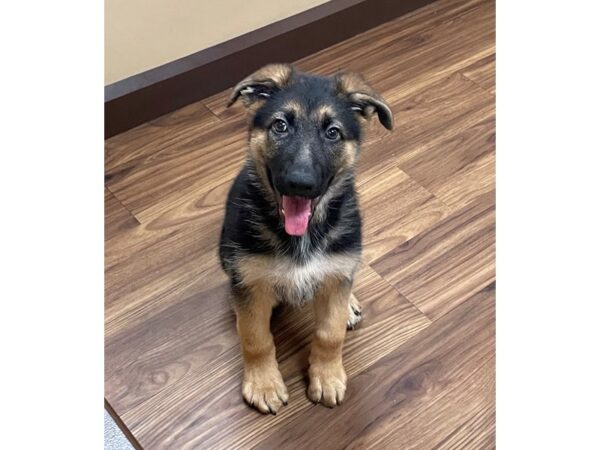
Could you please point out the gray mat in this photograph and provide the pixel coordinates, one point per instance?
(114, 439)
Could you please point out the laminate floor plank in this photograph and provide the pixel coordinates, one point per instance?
(116, 217)
(420, 60)
(152, 184)
(478, 430)
(427, 120)
(397, 209)
(458, 169)
(155, 265)
(443, 266)
(170, 130)
(483, 72)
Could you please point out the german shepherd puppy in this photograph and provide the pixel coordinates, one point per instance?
(292, 229)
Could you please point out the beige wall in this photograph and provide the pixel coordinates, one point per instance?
(142, 34)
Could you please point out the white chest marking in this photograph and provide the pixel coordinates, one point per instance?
(296, 282)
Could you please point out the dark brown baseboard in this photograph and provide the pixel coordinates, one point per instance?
(148, 95)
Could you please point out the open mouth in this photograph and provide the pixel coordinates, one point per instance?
(295, 212)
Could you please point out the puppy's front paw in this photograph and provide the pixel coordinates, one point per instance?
(264, 389)
(327, 383)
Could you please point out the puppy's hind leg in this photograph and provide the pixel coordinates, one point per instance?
(354, 313)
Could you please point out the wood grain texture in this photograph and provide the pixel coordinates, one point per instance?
(404, 209)
(483, 72)
(151, 138)
(116, 217)
(443, 266)
(456, 169)
(196, 164)
(151, 266)
(421, 363)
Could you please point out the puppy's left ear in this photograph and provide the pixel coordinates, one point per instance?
(262, 84)
(363, 98)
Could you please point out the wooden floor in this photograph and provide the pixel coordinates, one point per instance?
(421, 366)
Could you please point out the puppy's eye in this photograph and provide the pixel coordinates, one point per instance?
(333, 133)
(279, 126)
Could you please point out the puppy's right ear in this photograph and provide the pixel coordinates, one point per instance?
(262, 84)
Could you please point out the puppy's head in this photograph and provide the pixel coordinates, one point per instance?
(305, 132)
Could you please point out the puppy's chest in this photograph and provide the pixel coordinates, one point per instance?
(295, 282)
(297, 287)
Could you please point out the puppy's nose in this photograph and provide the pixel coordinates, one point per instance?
(301, 182)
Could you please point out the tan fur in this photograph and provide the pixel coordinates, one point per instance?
(279, 73)
(263, 386)
(346, 160)
(348, 157)
(294, 107)
(276, 74)
(258, 150)
(334, 189)
(258, 146)
(352, 82)
(323, 112)
(327, 377)
(358, 90)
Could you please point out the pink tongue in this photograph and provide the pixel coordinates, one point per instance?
(296, 215)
